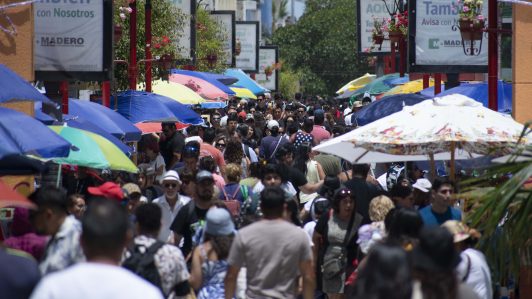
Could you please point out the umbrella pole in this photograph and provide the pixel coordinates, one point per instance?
(59, 172)
(452, 161)
(432, 167)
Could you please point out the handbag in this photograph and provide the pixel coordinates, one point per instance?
(336, 266)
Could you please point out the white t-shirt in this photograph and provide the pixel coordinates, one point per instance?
(94, 280)
(479, 278)
(156, 163)
(168, 214)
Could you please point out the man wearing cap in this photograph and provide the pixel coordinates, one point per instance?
(51, 218)
(191, 217)
(270, 144)
(170, 202)
(318, 131)
(421, 193)
(171, 144)
(441, 208)
(274, 252)
(107, 190)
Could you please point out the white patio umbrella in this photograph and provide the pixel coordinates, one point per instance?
(450, 127)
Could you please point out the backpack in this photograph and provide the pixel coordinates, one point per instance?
(232, 203)
(143, 264)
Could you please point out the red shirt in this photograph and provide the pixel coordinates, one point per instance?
(319, 134)
(209, 150)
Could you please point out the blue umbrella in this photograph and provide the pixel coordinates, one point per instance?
(479, 92)
(211, 105)
(385, 106)
(87, 125)
(140, 106)
(227, 80)
(245, 81)
(22, 134)
(108, 120)
(398, 81)
(12, 87)
(211, 78)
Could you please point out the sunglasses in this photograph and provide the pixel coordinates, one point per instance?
(344, 192)
(170, 185)
(220, 144)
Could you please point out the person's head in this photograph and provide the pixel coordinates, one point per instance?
(251, 132)
(51, 209)
(220, 143)
(308, 125)
(152, 149)
(219, 230)
(188, 182)
(291, 212)
(209, 134)
(343, 202)
(402, 196)
(442, 192)
(168, 129)
(148, 219)
(387, 274)
(133, 194)
(285, 154)
(207, 163)
(233, 172)
(319, 117)
(277, 112)
(301, 112)
(330, 184)
(204, 186)
(379, 207)
(76, 205)
(171, 184)
(272, 202)
(232, 122)
(242, 131)
(463, 236)
(273, 127)
(105, 230)
(436, 251)
(360, 170)
(405, 227)
(191, 154)
(233, 151)
(271, 175)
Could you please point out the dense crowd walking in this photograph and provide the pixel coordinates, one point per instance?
(242, 207)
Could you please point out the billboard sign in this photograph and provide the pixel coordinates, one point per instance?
(186, 42)
(248, 34)
(268, 75)
(226, 21)
(368, 11)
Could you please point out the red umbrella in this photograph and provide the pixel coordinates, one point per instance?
(155, 127)
(11, 198)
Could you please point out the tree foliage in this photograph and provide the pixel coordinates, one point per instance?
(167, 21)
(322, 46)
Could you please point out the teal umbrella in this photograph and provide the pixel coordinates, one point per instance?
(377, 86)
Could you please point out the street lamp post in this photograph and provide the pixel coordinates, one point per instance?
(132, 66)
(493, 61)
(147, 26)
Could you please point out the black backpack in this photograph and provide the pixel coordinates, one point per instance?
(143, 264)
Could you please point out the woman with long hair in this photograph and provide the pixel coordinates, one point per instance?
(209, 259)
(335, 247)
(235, 154)
(386, 274)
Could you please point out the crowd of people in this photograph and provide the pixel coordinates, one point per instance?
(242, 207)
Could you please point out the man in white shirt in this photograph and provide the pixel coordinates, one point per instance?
(105, 234)
(170, 202)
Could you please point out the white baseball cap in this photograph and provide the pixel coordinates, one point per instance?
(272, 123)
(423, 185)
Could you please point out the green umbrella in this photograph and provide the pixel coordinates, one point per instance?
(377, 86)
(92, 150)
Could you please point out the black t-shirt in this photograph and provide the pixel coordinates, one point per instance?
(188, 221)
(173, 145)
(364, 192)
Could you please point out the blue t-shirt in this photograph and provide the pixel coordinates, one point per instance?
(431, 218)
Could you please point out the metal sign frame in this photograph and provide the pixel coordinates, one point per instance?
(257, 32)
(231, 13)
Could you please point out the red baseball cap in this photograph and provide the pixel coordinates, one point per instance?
(242, 114)
(108, 190)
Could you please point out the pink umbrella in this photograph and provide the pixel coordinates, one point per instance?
(199, 86)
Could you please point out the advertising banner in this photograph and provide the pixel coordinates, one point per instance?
(226, 21)
(368, 11)
(248, 34)
(435, 42)
(268, 75)
(186, 43)
(73, 39)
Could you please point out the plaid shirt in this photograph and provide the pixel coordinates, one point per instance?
(63, 249)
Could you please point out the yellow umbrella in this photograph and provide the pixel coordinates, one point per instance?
(176, 91)
(243, 93)
(409, 87)
(357, 83)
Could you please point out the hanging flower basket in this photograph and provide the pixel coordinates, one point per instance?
(118, 32)
(378, 39)
(471, 30)
(396, 36)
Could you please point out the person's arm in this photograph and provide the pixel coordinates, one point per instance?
(309, 188)
(321, 173)
(317, 240)
(196, 277)
(230, 281)
(309, 278)
(177, 239)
